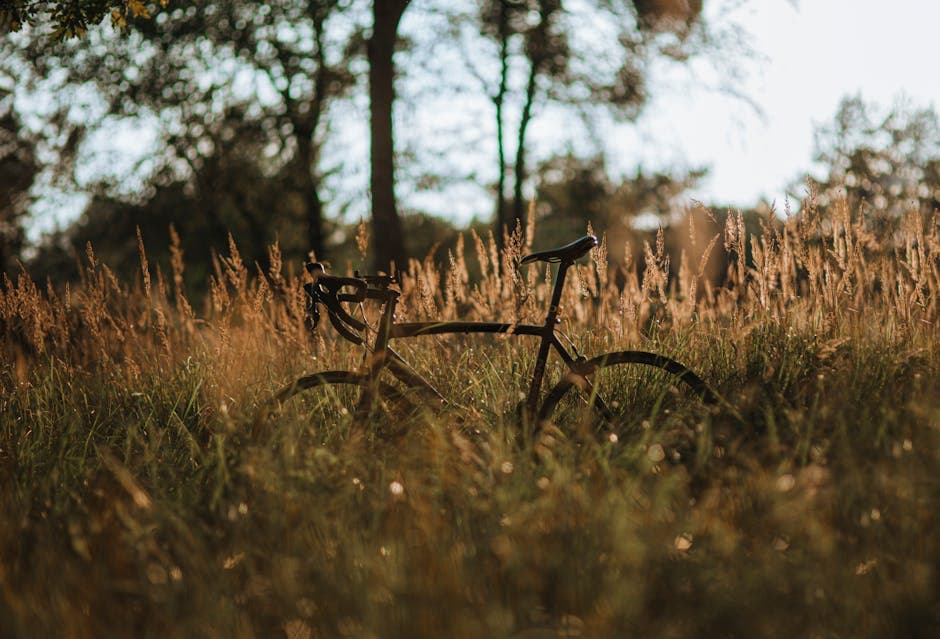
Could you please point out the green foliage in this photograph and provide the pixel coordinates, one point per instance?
(889, 159)
(574, 192)
(569, 70)
(581, 190)
(232, 192)
(70, 18)
(546, 59)
(232, 103)
(206, 77)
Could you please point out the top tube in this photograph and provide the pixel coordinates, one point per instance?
(414, 329)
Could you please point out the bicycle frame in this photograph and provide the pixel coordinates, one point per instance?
(332, 291)
(385, 357)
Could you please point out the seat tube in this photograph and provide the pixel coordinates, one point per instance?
(547, 332)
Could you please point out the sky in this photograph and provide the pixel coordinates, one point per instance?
(813, 52)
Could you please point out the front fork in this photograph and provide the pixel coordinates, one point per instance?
(373, 362)
(383, 356)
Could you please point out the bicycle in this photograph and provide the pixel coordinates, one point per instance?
(369, 391)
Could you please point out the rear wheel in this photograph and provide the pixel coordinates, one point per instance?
(602, 389)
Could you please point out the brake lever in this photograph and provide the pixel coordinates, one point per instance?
(312, 307)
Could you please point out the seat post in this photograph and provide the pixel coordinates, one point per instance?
(558, 289)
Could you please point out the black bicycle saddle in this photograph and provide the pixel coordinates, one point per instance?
(567, 253)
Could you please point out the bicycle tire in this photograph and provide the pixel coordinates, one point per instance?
(584, 371)
(346, 396)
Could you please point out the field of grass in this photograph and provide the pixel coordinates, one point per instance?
(139, 498)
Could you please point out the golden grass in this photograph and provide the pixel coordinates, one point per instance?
(137, 500)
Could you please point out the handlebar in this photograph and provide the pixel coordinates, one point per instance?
(331, 290)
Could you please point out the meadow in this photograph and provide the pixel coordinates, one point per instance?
(140, 497)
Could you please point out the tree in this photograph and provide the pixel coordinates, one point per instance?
(242, 198)
(167, 79)
(539, 41)
(18, 170)
(69, 18)
(185, 68)
(182, 70)
(546, 49)
(544, 56)
(887, 159)
(573, 192)
(386, 223)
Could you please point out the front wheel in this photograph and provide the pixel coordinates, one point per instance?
(332, 398)
(608, 383)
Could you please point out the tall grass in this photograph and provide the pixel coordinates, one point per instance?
(138, 500)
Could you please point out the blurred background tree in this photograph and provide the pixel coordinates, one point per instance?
(242, 110)
(18, 170)
(583, 62)
(573, 192)
(69, 18)
(885, 160)
(238, 95)
(230, 193)
(382, 44)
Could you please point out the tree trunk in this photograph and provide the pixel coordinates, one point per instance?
(518, 206)
(501, 220)
(307, 186)
(386, 225)
(315, 223)
(307, 146)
